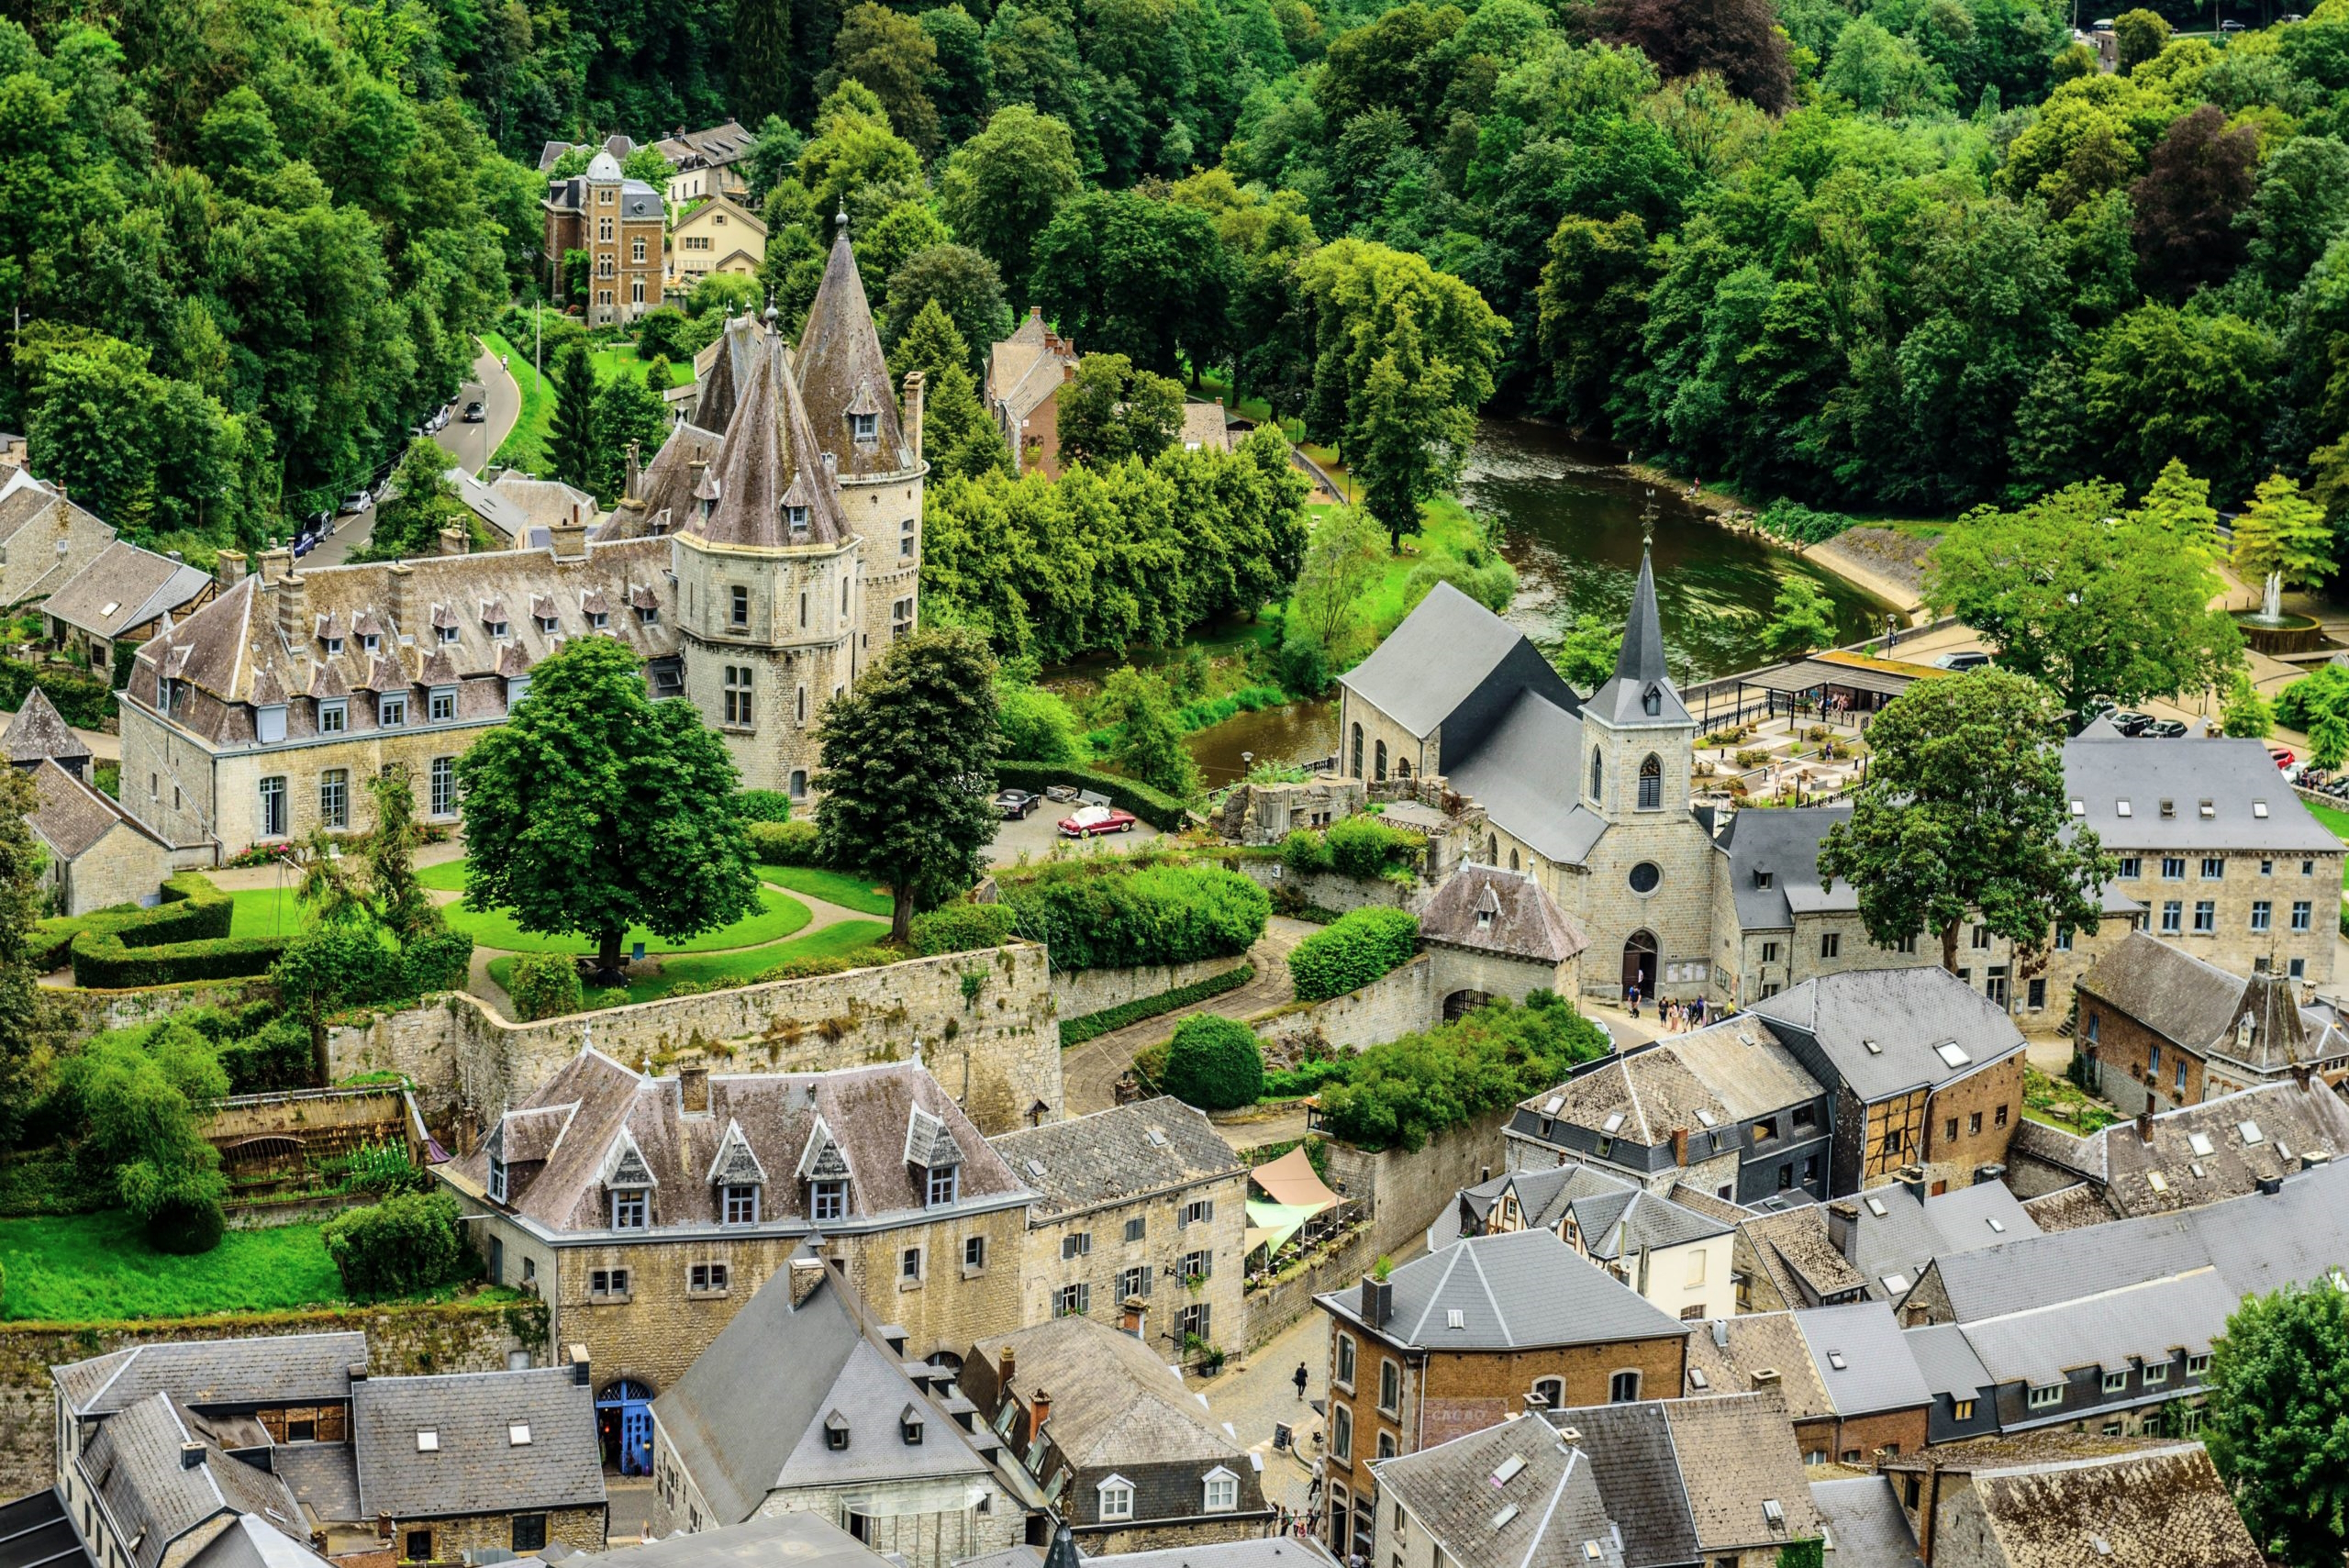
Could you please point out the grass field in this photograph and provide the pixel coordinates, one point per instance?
(778, 916)
(266, 912)
(1446, 530)
(833, 887)
(525, 446)
(88, 1266)
(621, 360)
(844, 936)
(2337, 821)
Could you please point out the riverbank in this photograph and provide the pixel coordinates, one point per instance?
(1884, 564)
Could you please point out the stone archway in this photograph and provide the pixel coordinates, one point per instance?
(1639, 963)
(1460, 1004)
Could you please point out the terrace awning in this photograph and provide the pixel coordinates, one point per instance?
(1270, 1225)
(1291, 1181)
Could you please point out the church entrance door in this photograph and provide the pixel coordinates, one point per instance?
(1639, 963)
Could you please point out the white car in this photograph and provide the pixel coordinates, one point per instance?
(357, 502)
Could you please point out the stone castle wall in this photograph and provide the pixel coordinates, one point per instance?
(1081, 991)
(1396, 1004)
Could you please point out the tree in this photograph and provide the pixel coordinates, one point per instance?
(1149, 745)
(957, 437)
(423, 501)
(1738, 39)
(2278, 1423)
(145, 1092)
(2282, 540)
(1964, 814)
(2329, 741)
(890, 53)
(28, 1022)
(1801, 622)
(2139, 36)
(960, 282)
(1110, 412)
(571, 283)
(593, 808)
(2245, 712)
(1588, 656)
(1408, 442)
(2301, 205)
(628, 412)
(1125, 273)
(1215, 1063)
(761, 64)
(1883, 74)
(907, 780)
(1342, 562)
(1004, 186)
(2087, 598)
(573, 444)
(1038, 726)
(2187, 201)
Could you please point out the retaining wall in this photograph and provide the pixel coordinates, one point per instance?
(93, 1011)
(1407, 1189)
(1277, 1306)
(1396, 1004)
(1081, 991)
(995, 1046)
(1326, 889)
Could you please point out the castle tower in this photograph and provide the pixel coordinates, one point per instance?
(875, 448)
(769, 600)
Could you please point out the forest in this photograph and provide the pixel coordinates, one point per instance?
(1899, 254)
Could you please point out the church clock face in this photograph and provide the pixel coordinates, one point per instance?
(1645, 877)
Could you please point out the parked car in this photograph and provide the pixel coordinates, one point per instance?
(2102, 24)
(2165, 729)
(2231, 26)
(1092, 819)
(1011, 804)
(2131, 722)
(2286, 763)
(473, 415)
(1973, 659)
(357, 502)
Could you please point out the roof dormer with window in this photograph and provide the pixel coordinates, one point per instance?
(935, 1159)
(824, 1170)
(736, 1180)
(628, 1185)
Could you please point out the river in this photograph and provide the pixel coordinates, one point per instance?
(1571, 521)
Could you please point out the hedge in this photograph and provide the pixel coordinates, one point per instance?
(544, 986)
(103, 963)
(963, 927)
(1351, 953)
(398, 1247)
(1092, 1026)
(1155, 807)
(1361, 847)
(1104, 914)
(784, 843)
(1215, 1063)
(191, 909)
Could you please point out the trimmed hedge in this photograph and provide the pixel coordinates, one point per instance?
(398, 1246)
(192, 910)
(1105, 914)
(1092, 1026)
(963, 927)
(1351, 953)
(761, 805)
(784, 843)
(1215, 1063)
(103, 963)
(1158, 809)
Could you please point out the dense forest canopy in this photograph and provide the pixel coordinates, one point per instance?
(1910, 253)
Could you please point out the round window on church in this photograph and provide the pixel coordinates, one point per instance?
(1644, 876)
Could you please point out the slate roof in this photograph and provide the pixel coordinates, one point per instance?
(1514, 1496)
(2147, 1504)
(712, 149)
(1729, 1352)
(291, 1369)
(124, 588)
(2203, 1152)
(571, 1124)
(134, 1463)
(323, 1477)
(1783, 846)
(1793, 1249)
(39, 730)
(1268, 1551)
(1026, 368)
(1613, 1215)
(842, 367)
(71, 815)
(1116, 1156)
(770, 458)
(1865, 1523)
(2195, 1004)
(1443, 651)
(2236, 777)
(2109, 1329)
(1946, 1361)
(505, 1441)
(1913, 1228)
(1641, 672)
(1513, 771)
(37, 1532)
(1632, 1459)
(1707, 1082)
(1519, 1290)
(1114, 1403)
(1736, 1452)
(1483, 908)
(1861, 1360)
(1205, 426)
(251, 1542)
(1906, 1012)
(791, 1540)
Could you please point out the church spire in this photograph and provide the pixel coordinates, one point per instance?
(1642, 659)
(1641, 691)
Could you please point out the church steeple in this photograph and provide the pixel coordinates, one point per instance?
(1641, 693)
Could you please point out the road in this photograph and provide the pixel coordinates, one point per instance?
(469, 446)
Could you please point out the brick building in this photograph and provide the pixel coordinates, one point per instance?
(1466, 1337)
(1846, 1375)
(1143, 1201)
(1025, 375)
(620, 224)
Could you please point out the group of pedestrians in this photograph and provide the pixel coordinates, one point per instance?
(1677, 1017)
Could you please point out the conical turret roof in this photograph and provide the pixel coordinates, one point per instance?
(769, 461)
(1641, 691)
(842, 370)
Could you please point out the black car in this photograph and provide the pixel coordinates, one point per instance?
(2131, 723)
(2165, 729)
(1012, 804)
(473, 415)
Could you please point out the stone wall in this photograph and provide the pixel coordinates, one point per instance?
(91, 1012)
(996, 1048)
(1326, 889)
(1275, 1307)
(454, 1337)
(1405, 1189)
(1393, 1005)
(1076, 992)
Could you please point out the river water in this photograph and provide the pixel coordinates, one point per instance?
(1571, 521)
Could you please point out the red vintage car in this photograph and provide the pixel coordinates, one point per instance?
(1091, 819)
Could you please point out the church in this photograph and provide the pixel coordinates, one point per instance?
(765, 558)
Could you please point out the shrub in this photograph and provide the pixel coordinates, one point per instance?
(1794, 521)
(143, 1092)
(1215, 1063)
(101, 962)
(963, 925)
(1399, 1094)
(398, 1247)
(1078, 1030)
(186, 1223)
(1364, 846)
(436, 960)
(544, 986)
(1161, 810)
(1349, 954)
(1038, 726)
(1305, 852)
(1307, 1077)
(193, 910)
(275, 1056)
(762, 805)
(1101, 915)
(795, 969)
(784, 843)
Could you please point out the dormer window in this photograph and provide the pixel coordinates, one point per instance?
(865, 427)
(334, 716)
(836, 1432)
(740, 1205)
(1652, 701)
(391, 709)
(372, 642)
(631, 1209)
(797, 516)
(497, 629)
(448, 635)
(828, 1201)
(547, 625)
(935, 1157)
(909, 1425)
(943, 1187)
(334, 647)
(1763, 878)
(1222, 1492)
(498, 1177)
(647, 615)
(599, 619)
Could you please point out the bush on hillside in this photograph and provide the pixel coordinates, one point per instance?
(1215, 1063)
(762, 805)
(962, 926)
(1038, 726)
(1361, 846)
(186, 1223)
(1799, 523)
(398, 1247)
(1109, 916)
(544, 986)
(1352, 952)
(1401, 1094)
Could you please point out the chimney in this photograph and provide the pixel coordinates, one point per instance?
(1680, 1146)
(1040, 1410)
(2315, 1157)
(693, 1088)
(231, 568)
(1844, 1228)
(1536, 1402)
(634, 489)
(2301, 1075)
(1720, 1333)
(356, 1372)
(1131, 1313)
(2145, 1125)
(1003, 1371)
(1765, 1377)
(568, 541)
(1378, 1301)
(191, 1455)
(452, 541)
(1913, 1178)
(2271, 1185)
(275, 565)
(911, 405)
(577, 1356)
(293, 608)
(807, 1273)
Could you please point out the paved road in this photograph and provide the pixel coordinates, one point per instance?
(469, 446)
(1089, 1073)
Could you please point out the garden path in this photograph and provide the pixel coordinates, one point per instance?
(1089, 1073)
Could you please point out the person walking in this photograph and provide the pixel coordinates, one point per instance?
(1301, 1379)
(1632, 993)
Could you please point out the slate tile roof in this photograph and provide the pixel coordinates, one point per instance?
(1522, 1289)
(2236, 777)
(713, 147)
(1515, 1495)
(37, 1532)
(1729, 1352)
(1897, 1229)
(1862, 1519)
(1483, 908)
(1860, 1359)
(1704, 1082)
(1641, 674)
(40, 730)
(1026, 368)
(1906, 1014)
(291, 1369)
(1611, 1215)
(1116, 1156)
(1736, 1455)
(1444, 650)
(501, 1442)
(2220, 1149)
(71, 815)
(124, 588)
(2066, 1500)
(1268, 1551)
(1792, 1247)
(135, 1464)
(842, 370)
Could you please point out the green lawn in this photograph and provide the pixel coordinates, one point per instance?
(85, 1266)
(844, 936)
(525, 446)
(266, 912)
(621, 360)
(778, 916)
(833, 887)
(1446, 530)
(2337, 820)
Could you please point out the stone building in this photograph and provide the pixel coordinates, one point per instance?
(804, 1405)
(1676, 1258)
(1463, 1337)
(708, 162)
(120, 599)
(2070, 1497)
(156, 1487)
(1497, 933)
(99, 855)
(1845, 1374)
(1025, 375)
(756, 567)
(38, 733)
(620, 224)
(1146, 1202)
(645, 1211)
(1130, 1457)
(45, 539)
(294, 1388)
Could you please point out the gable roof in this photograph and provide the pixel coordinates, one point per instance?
(1783, 848)
(1513, 770)
(293, 1369)
(1613, 1216)
(134, 1463)
(1514, 1496)
(842, 367)
(1443, 651)
(1736, 1454)
(2162, 1506)
(1116, 1156)
(1026, 368)
(1729, 1352)
(712, 149)
(1706, 1082)
(1518, 1290)
(1882, 1029)
(71, 816)
(1792, 1247)
(1863, 1519)
(1860, 1359)
(1115, 1403)
(502, 1440)
(35, 1531)
(39, 730)
(1641, 672)
(2195, 1004)
(2237, 776)
(2205, 1152)
(1915, 1227)
(1486, 909)
(123, 587)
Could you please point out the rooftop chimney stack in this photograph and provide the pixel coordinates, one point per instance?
(452, 541)
(2145, 1125)
(568, 541)
(231, 568)
(1378, 1301)
(395, 580)
(191, 1455)
(915, 382)
(693, 1088)
(293, 608)
(1040, 1410)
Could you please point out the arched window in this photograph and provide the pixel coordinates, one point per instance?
(1378, 761)
(1512, 860)
(1598, 776)
(1402, 767)
(799, 782)
(1650, 784)
(1551, 1391)
(1623, 1388)
(1652, 701)
(1492, 848)
(1356, 769)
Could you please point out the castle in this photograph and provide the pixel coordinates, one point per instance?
(763, 559)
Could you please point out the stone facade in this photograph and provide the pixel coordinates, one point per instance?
(1465, 973)
(998, 1052)
(1096, 1253)
(1396, 1004)
(124, 866)
(36, 520)
(621, 225)
(925, 1538)
(448, 1540)
(1258, 813)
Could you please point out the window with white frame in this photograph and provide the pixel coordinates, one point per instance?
(391, 709)
(1117, 1495)
(1341, 1431)
(1073, 1301)
(942, 1184)
(334, 716)
(334, 799)
(444, 786)
(442, 705)
(1222, 1492)
(2046, 1397)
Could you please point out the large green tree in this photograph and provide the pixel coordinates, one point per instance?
(1003, 187)
(574, 446)
(1963, 815)
(1126, 273)
(907, 780)
(423, 501)
(593, 808)
(2277, 1420)
(1410, 431)
(2282, 540)
(2089, 597)
(960, 282)
(1109, 411)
